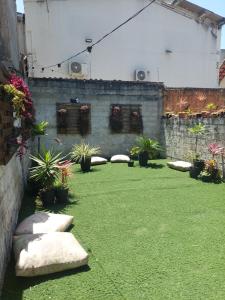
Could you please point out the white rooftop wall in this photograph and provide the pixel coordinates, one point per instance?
(57, 29)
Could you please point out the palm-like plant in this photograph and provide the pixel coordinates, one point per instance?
(39, 128)
(82, 154)
(46, 170)
(146, 148)
(152, 147)
(83, 151)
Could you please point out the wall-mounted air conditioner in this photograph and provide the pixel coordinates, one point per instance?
(141, 75)
(78, 70)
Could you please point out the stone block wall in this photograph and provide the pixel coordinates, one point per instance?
(100, 94)
(178, 141)
(12, 180)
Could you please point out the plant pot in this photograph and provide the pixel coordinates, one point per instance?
(206, 178)
(182, 115)
(62, 195)
(194, 172)
(198, 115)
(205, 114)
(130, 163)
(33, 187)
(85, 164)
(48, 197)
(143, 159)
(199, 163)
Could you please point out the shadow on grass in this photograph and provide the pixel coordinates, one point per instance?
(93, 170)
(155, 166)
(57, 207)
(14, 286)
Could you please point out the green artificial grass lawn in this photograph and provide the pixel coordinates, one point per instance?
(151, 233)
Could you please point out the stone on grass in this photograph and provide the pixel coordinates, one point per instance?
(40, 254)
(95, 160)
(43, 222)
(179, 165)
(120, 158)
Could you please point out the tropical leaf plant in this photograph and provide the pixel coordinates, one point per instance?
(46, 169)
(144, 144)
(83, 151)
(39, 128)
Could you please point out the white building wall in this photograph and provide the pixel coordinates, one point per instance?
(57, 29)
(222, 83)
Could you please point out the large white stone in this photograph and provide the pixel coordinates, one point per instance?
(95, 160)
(43, 222)
(120, 158)
(180, 165)
(39, 254)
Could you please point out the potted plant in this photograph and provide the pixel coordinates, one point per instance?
(211, 172)
(167, 115)
(146, 149)
(38, 130)
(82, 154)
(211, 107)
(61, 187)
(198, 164)
(84, 122)
(45, 173)
(116, 119)
(182, 114)
(62, 119)
(134, 151)
(205, 114)
(136, 124)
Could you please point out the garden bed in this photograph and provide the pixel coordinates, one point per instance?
(151, 233)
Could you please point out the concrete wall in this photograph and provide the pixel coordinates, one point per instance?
(12, 178)
(8, 33)
(100, 94)
(178, 141)
(21, 34)
(55, 30)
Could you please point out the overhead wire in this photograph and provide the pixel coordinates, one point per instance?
(89, 48)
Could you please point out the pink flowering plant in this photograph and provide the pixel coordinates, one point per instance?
(27, 113)
(17, 93)
(215, 149)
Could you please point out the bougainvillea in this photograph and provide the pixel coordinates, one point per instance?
(28, 112)
(18, 94)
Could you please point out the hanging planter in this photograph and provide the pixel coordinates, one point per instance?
(116, 119)
(62, 119)
(84, 120)
(136, 125)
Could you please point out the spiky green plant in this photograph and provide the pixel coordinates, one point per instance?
(46, 170)
(83, 151)
(144, 144)
(39, 128)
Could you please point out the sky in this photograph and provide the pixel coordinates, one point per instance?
(216, 6)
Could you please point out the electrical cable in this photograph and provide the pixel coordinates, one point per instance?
(89, 48)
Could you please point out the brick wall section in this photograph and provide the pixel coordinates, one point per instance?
(178, 141)
(179, 99)
(100, 94)
(11, 191)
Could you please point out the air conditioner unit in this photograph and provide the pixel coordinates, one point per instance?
(78, 70)
(141, 75)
